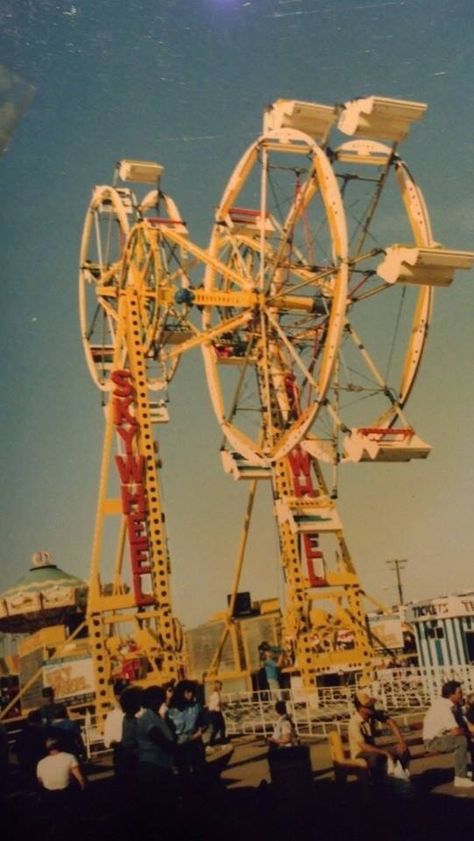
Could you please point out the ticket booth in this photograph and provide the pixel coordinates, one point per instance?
(444, 630)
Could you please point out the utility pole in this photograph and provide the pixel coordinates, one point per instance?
(397, 564)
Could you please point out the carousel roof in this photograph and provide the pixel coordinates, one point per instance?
(46, 595)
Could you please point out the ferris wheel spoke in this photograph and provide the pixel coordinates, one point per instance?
(294, 355)
(238, 257)
(287, 231)
(321, 281)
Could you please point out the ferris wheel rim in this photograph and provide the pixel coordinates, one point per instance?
(331, 202)
(420, 225)
(101, 194)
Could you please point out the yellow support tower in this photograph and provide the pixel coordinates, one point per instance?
(132, 630)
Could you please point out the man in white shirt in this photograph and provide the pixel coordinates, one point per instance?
(443, 731)
(215, 715)
(57, 770)
(61, 778)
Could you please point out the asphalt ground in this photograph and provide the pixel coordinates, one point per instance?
(242, 803)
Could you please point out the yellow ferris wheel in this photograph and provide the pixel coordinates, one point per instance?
(332, 245)
(123, 269)
(331, 242)
(311, 306)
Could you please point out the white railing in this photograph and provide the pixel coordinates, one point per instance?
(404, 693)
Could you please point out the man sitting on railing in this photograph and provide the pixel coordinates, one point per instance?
(364, 725)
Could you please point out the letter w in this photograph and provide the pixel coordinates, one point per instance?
(300, 462)
(130, 468)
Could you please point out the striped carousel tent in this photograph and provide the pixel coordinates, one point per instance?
(45, 596)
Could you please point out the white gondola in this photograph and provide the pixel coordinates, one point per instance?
(159, 413)
(106, 205)
(308, 515)
(247, 222)
(384, 445)
(103, 356)
(432, 266)
(240, 468)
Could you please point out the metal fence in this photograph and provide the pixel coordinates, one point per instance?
(405, 693)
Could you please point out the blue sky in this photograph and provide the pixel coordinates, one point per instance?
(184, 82)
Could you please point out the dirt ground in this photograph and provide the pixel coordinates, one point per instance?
(243, 803)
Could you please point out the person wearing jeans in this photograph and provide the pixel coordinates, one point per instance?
(442, 732)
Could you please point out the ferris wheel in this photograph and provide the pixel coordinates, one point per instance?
(121, 248)
(333, 241)
(128, 272)
(324, 256)
(312, 314)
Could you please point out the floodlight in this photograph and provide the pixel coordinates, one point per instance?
(309, 117)
(143, 172)
(378, 117)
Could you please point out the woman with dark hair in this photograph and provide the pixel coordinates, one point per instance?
(126, 759)
(168, 689)
(186, 714)
(156, 750)
(131, 703)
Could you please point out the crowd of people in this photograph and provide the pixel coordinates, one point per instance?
(160, 737)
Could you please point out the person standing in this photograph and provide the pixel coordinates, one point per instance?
(60, 777)
(272, 673)
(126, 765)
(30, 746)
(131, 704)
(168, 689)
(156, 750)
(113, 725)
(186, 714)
(443, 731)
(215, 715)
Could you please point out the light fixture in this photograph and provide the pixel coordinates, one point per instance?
(143, 172)
(310, 117)
(378, 117)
